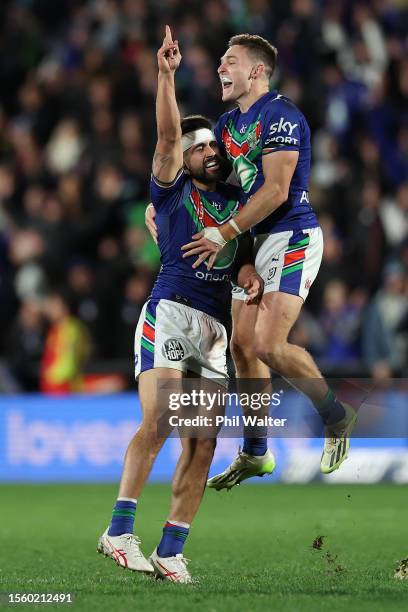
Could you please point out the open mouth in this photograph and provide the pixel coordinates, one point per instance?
(226, 83)
(212, 165)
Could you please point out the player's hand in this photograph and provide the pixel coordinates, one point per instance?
(254, 287)
(168, 56)
(205, 247)
(150, 216)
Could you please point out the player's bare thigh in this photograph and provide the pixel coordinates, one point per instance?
(243, 350)
(155, 387)
(243, 323)
(276, 315)
(151, 393)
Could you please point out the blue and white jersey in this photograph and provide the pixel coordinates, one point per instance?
(181, 211)
(272, 123)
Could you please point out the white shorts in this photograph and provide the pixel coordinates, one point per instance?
(172, 335)
(289, 261)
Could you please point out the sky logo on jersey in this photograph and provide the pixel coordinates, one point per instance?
(280, 134)
(282, 126)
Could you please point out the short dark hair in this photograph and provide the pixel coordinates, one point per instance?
(194, 122)
(258, 48)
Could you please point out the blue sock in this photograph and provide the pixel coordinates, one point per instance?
(123, 516)
(174, 536)
(255, 446)
(330, 409)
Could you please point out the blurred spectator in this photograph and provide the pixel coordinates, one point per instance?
(340, 321)
(77, 134)
(368, 241)
(136, 291)
(385, 347)
(25, 342)
(66, 350)
(87, 304)
(394, 215)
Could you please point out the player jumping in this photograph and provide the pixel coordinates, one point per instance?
(267, 140)
(179, 330)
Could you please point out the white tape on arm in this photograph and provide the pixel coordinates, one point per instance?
(214, 234)
(235, 226)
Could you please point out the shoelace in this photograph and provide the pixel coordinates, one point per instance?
(184, 561)
(134, 543)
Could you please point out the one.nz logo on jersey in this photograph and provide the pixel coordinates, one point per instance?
(173, 350)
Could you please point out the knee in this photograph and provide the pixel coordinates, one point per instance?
(148, 433)
(270, 353)
(242, 350)
(205, 448)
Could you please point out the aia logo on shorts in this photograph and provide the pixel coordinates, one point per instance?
(173, 350)
(308, 284)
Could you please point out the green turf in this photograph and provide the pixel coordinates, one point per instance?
(251, 549)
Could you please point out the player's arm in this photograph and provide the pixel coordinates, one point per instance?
(252, 282)
(278, 169)
(243, 273)
(168, 155)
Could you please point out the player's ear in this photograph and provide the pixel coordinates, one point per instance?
(258, 71)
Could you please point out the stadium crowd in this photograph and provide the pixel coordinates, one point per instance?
(77, 133)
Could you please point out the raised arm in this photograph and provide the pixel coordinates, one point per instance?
(278, 170)
(168, 156)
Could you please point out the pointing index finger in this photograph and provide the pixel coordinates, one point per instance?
(169, 37)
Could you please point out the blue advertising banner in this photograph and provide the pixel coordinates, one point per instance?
(84, 438)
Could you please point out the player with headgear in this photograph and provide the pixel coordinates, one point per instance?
(180, 330)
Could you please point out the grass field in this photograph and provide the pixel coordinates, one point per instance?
(251, 549)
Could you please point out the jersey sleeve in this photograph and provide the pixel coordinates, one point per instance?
(166, 196)
(281, 127)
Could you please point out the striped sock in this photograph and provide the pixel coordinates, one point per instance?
(174, 536)
(123, 516)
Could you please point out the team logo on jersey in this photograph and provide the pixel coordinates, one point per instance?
(173, 350)
(254, 139)
(242, 149)
(205, 214)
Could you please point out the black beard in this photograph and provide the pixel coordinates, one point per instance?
(221, 175)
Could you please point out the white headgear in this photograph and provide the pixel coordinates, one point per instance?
(191, 139)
